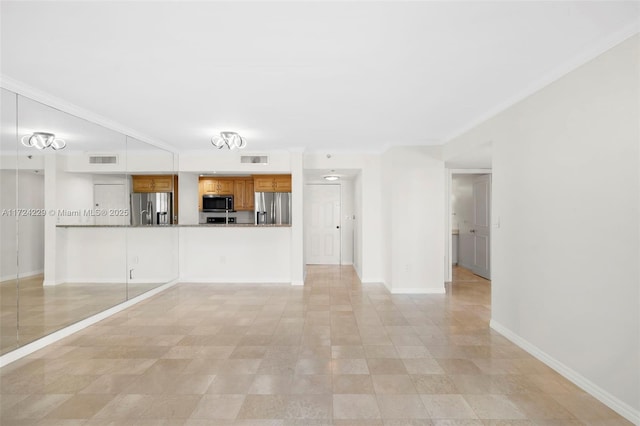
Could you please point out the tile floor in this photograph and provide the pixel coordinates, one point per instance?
(43, 310)
(333, 352)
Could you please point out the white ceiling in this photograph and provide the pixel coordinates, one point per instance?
(322, 76)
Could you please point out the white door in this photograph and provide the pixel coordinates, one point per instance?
(110, 200)
(480, 229)
(322, 224)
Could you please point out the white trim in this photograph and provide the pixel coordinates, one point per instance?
(297, 283)
(70, 108)
(417, 290)
(573, 63)
(29, 348)
(622, 408)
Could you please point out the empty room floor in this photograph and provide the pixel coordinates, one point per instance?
(29, 310)
(333, 352)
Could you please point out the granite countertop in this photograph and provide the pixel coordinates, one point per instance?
(203, 225)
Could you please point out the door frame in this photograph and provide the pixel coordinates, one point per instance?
(340, 234)
(448, 238)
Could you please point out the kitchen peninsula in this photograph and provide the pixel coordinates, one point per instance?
(206, 252)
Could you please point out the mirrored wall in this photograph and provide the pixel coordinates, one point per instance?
(72, 242)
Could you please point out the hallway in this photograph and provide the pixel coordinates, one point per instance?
(333, 352)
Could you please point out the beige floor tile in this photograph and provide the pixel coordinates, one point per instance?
(422, 366)
(352, 384)
(231, 384)
(586, 408)
(81, 406)
(125, 406)
(32, 407)
(433, 384)
(213, 407)
(263, 407)
(349, 352)
(350, 366)
(270, 384)
(171, 407)
(448, 407)
(393, 384)
(386, 366)
(308, 407)
(333, 352)
(355, 407)
(309, 384)
(402, 407)
(494, 407)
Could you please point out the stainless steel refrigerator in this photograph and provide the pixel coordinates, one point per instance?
(273, 208)
(151, 208)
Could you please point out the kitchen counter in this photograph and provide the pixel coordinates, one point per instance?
(203, 225)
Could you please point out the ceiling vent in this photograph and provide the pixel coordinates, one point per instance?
(254, 159)
(103, 159)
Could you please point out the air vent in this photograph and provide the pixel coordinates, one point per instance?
(103, 159)
(254, 159)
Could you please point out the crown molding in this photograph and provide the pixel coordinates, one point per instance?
(572, 64)
(63, 105)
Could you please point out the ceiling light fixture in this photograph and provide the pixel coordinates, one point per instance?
(42, 140)
(331, 177)
(230, 140)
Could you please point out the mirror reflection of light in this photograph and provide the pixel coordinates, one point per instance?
(43, 140)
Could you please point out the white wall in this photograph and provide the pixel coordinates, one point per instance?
(566, 192)
(219, 161)
(346, 220)
(235, 255)
(93, 255)
(188, 213)
(413, 180)
(357, 224)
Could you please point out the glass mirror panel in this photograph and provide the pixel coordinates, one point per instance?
(73, 245)
(152, 239)
(8, 223)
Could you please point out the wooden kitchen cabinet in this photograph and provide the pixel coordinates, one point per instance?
(243, 194)
(272, 183)
(152, 183)
(220, 186)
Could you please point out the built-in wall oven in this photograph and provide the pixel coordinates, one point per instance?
(217, 203)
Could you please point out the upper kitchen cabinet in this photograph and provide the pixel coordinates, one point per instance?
(272, 183)
(219, 186)
(152, 183)
(243, 194)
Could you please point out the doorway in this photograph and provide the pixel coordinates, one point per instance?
(322, 225)
(470, 222)
(108, 197)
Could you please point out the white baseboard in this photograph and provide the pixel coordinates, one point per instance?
(29, 348)
(414, 290)
(297, 282)
(622, 408)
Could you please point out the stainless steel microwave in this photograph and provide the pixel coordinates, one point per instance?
(217, 203)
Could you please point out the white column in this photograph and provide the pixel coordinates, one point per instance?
(297, 222)
(50, 220)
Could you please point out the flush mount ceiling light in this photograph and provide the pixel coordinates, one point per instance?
(230, 140)
(42, 140)
(331, 177)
